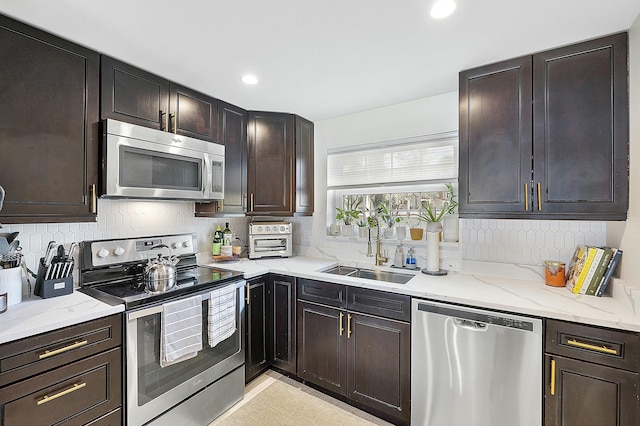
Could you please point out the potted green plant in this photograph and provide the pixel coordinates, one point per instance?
(450, 225)
(388, 219)
(415, 230)
(434, 216)
(363, 227)
(349, 215)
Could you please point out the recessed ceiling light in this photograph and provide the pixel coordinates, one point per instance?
(442, 8)
(249, 79)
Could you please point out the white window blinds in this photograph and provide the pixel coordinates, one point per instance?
(416, 160)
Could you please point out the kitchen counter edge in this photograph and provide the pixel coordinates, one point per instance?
(520, 296)
(36, 315)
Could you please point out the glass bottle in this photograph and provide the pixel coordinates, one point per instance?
(399, 257)
(217, 241)
(227, 236)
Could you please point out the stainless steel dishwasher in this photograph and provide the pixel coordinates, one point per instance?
(473, 367)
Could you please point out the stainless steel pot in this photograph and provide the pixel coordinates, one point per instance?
(160, 273)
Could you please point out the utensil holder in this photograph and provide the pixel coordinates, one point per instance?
(52, 287)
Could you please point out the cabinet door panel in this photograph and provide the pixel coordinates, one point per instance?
(321, 346)
(379, 364)
(49, 126)
(589, 394)
(233, 134)
(132, 95)
(270, 153)
(495, 137)
(282, 334)
(304, 166)
(580, 113)
(256, 344)
(193, 114)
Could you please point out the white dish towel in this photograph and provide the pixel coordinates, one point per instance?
(222, 314)
(181, 330)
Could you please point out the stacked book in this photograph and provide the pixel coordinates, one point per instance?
(591, 268)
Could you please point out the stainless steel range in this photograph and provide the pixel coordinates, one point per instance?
(190, 392)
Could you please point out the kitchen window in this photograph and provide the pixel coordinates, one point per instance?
(396, 174)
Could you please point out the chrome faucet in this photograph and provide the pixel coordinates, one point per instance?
(380, 259)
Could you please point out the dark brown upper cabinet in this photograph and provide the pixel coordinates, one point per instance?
(547, 136)
(136, 96)
(280, 164)
(48, 126)
(232, 133)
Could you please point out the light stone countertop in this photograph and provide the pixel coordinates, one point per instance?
(36, 315)
(487, 287)
(492, 286)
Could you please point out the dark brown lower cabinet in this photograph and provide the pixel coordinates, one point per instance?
(281, 320)
(591, 375)
(255, 333)
(583, 393)
(378, 363)
(76, 393)
(322, 350)
(365, 358)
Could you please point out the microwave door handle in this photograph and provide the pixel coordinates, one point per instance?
(206, 187)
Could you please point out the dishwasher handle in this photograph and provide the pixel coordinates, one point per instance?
(475, 315)
(470, 325)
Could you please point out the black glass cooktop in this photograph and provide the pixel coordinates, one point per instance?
(133, 292)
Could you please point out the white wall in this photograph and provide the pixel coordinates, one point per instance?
(627, 235)
(527, 242)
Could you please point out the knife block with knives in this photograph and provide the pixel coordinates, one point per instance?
(55, 271)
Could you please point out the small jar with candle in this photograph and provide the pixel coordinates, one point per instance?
(554, 273)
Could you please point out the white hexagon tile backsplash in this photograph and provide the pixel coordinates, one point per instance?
(509, 241)
(124, 219)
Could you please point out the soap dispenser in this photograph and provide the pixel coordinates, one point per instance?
(411, 259)
(399, 256)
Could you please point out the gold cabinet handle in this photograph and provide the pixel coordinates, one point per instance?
(539, 198)
(47, 353)
(251, 206)
(247, 298)
(602, 349)
(349, 326)
(94, 198)
(553, 377)
(221, 205)
(73, 388)
(341, 327)
(526, 196)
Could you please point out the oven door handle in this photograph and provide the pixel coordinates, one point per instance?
(206, 295)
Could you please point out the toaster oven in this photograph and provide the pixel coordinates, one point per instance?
(270, 239)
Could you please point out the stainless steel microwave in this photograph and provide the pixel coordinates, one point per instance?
(139, 162)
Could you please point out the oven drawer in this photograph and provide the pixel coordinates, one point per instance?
(79, 393)
(614, 348)
(33, 355)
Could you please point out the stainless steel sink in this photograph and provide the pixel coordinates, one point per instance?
(371, 274)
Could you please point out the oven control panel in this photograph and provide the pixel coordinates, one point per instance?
(270, 228)
(114, 252)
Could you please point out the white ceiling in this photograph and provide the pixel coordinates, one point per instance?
(320, 58)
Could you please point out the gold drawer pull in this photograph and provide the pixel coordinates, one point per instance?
(74, 388)
(553, 377)
(47, 354)
(603, 349)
